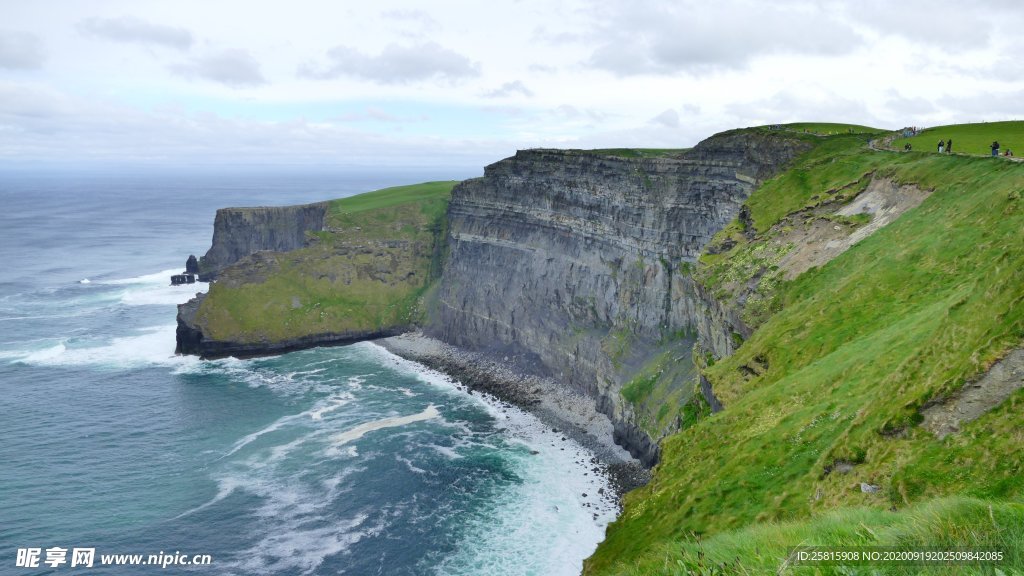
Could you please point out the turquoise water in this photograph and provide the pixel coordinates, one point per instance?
(328, 461)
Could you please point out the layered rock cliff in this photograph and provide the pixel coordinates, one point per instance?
(562, 263)
(576, 265)
(239, 232)
(322, 274)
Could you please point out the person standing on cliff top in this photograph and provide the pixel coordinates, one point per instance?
(995, 148)
(949, 146)
(941, 146)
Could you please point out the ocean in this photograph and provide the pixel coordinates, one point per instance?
(343, 460)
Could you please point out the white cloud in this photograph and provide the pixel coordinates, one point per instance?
(514, 88)
(700, 37)
(20, 51)
(396, 64)
(233, 68)
(669, 119)
(481, 78)
(134, 30)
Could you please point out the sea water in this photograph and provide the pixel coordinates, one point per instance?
(344, 460)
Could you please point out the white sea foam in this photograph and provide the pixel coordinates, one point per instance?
(151, 346)
(162, 277)
(332, 404)
(438, 380)
(299, 528)
(250, 438)
(155, 289)
(543, 525)
(359, 431)
(84, 281)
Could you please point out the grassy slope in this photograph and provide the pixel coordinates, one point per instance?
(763, 548)
(367, 272)
(828, 128)
(970, 138)
(637, 152)
(859, 345)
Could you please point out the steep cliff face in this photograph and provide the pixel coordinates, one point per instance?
(362, 277)
(238, 232)
(575, 264)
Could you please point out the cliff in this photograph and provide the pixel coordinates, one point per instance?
(851, 316)
(363, 276)
(860, 323)
(576, 265)
(568, 264)
(239, 232)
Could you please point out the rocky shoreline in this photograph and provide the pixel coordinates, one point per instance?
(572, 414)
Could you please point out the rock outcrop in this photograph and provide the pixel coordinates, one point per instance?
(239, 232)
(576, 264)
(334, 273)
(192, 339)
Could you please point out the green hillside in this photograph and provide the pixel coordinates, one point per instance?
(637, 152)
(827, 395)
(970, 138)
(830, 128)
(368, 271)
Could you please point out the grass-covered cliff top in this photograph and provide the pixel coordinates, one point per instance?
(637, 152)
(366, 272)
(830, 128)
(820, 441)
(970, 138)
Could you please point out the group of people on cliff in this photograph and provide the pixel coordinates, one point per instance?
(946, 146)
(995, 149)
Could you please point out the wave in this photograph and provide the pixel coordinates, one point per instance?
(546, 523)
(434, 378)
(154, 346)
(549, 521)
(359, 431)
(156, 290)
(297, 525)
(162, 277)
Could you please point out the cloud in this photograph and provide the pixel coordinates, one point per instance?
(234, 68)
(510, 89)
(808, 106)
(396, 64)
(703, 37)
(46, 126)
(669, 119)
(939, 23)
(377, 115)
(424, 20)
(20, 51)
(908, 107)
(134, 30)
(989, 106)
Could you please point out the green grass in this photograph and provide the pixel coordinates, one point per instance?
(858, 347)
(637, 152)
(970, 138)
(426, 191)
(367, 272)
(836, 167)
(765, 549)
(831, 128)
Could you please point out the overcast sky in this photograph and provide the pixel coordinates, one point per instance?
(459, 83)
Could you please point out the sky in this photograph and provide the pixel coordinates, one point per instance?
(461, 83)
